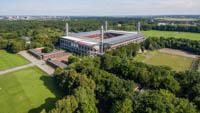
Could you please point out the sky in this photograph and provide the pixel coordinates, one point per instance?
(99, 7)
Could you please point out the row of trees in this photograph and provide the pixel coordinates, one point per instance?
(12, 45)
(192, 46)
(194, 29)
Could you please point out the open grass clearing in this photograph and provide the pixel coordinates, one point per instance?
(8, 60)
(176, 62)
(143, 56)
(166, 34)
(27, 91)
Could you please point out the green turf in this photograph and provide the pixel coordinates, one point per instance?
(8, 60)
(186, 35)
(141, 57)
(27, 90)
(177, 63)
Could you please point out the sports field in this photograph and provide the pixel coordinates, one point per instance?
(166, 34)
(176, 62)
(27, 91)
(8, 60)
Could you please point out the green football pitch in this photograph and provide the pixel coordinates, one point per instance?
(27, 91)
(177, 63)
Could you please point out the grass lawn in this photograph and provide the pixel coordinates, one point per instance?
(186, 35)
(141, 57)
(8, 60)
(27, 91)
(177, 63)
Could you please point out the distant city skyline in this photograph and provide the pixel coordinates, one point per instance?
(99, 7)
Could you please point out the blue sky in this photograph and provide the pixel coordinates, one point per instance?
(98, 7)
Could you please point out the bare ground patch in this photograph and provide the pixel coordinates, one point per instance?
(178, 52)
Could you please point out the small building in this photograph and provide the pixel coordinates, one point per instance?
(45, 56)
(36, 52)
(56, 58)
(165, 23)
(57, 64)
(62, 58)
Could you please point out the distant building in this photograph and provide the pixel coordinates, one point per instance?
(194, 25)
(165, 23)
(180, 24)
(28, 39)
(95, 43)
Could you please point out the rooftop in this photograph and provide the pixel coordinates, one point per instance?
(38, 52)
(58, 64)
(110, 37)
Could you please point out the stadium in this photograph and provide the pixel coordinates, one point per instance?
(95, 43)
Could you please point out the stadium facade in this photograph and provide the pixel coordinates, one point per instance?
(95, 43)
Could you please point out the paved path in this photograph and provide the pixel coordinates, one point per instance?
(194, 63)
(34, 61)
(15, 69)
(40, 63)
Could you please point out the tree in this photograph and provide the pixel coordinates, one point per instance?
(34, 45)
(170, 83)
(124, 106)
(73, 59)
(15, 46)
(196, 100)
(195, 91)
(86, 99)
(162, 102)
(65, 105)
(80, 87)
(3, 43)
(47, 50)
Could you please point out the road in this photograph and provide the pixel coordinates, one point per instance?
(34, 61)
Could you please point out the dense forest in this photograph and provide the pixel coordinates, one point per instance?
(114, 83)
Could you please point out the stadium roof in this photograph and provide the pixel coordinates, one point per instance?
(84, 37)
(122, 38)
(80, 40)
